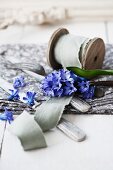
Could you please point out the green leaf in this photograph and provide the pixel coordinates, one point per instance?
(89, 73)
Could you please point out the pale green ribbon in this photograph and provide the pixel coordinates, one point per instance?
(29, 129)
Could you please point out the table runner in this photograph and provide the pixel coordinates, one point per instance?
(36, 53)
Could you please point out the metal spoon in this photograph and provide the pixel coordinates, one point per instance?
(35, 67)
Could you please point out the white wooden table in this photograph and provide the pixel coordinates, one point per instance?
(96, 152)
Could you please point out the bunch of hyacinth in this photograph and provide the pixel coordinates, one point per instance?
(65, 83)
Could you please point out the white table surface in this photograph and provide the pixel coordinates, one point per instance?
(96, 152)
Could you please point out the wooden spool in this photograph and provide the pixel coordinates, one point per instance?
(93, 54)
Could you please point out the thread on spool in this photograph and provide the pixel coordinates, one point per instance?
(86, 53)
(67, 50)
(83, 48)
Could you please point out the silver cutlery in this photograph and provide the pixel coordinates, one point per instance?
(71, 130)
(37, 68)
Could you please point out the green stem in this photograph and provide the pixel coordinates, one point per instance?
(89, 73)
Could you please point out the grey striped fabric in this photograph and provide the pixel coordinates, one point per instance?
(34, 53)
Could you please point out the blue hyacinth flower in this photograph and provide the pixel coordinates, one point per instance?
(19, 82)
(30, 98)
(58, 83)
(83, 86)
(7, 116)
(14, 95)
(65, 83)
(89, 94)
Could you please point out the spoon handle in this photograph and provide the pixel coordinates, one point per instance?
(80, 105)
(38, 77)
(71, 130)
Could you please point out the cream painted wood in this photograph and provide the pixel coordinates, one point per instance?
(45, 3)
(88, 29)
(110, 32)
(40, 34)
(95, 153)
(2, 133)
(80, 9)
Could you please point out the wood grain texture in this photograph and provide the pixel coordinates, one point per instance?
(85, 10)
(98, 147)
(2, 133)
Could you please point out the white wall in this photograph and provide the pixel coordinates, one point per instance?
(81, 9)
